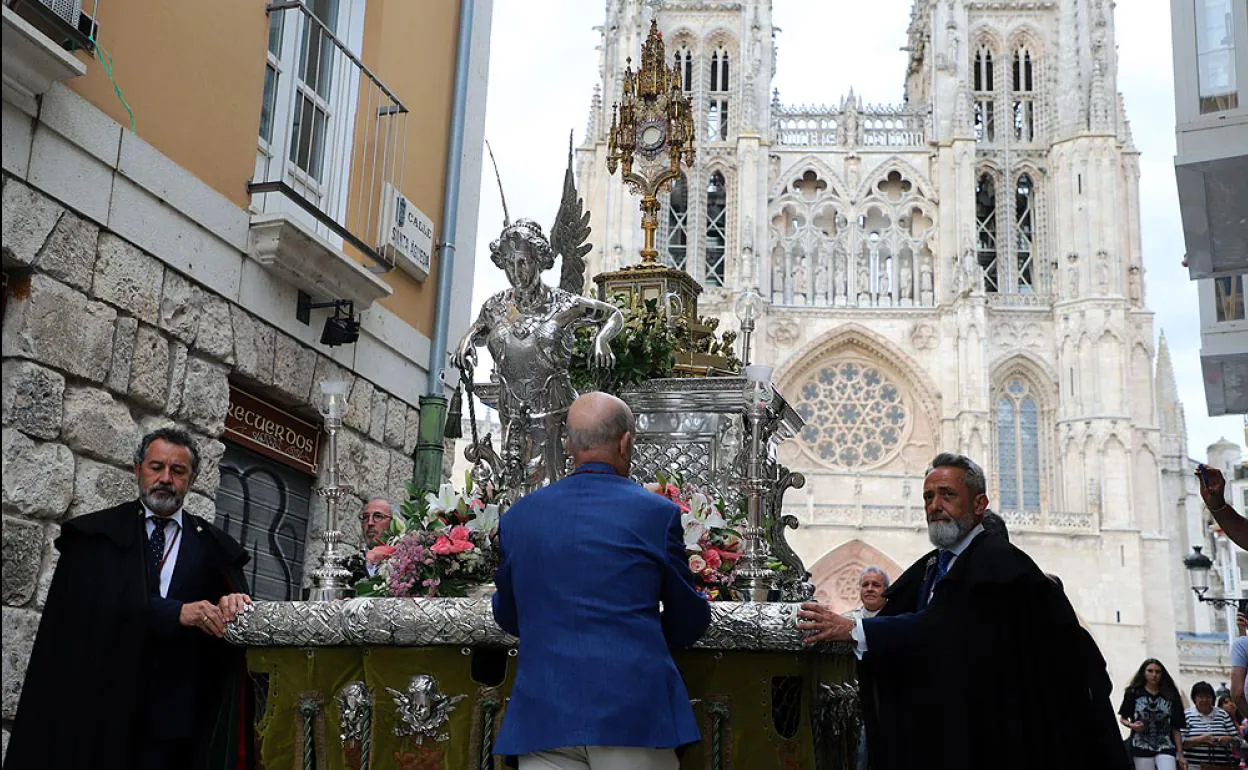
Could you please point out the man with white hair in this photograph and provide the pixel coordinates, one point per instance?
(977, 659)
(587, 563)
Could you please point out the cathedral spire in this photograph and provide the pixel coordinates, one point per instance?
(1169, 409)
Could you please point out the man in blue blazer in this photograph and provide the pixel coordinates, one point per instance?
(586, 562)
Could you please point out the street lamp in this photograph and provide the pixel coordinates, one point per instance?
(1198, 564)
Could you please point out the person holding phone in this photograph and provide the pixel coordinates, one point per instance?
(1213, 492)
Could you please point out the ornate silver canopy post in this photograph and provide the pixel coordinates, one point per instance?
(755, 579)
(329, 581)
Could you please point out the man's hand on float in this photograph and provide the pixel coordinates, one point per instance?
(824, 624)
(233, 605)
(202, 615)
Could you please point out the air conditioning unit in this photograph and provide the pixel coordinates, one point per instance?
(61, 20)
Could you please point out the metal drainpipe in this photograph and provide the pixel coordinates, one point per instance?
(427, 471)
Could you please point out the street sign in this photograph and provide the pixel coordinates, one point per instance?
(407, 238)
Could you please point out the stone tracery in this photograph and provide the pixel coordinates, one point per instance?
(833, 252)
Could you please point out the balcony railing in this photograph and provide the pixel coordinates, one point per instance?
(333, 137)
(863, 515)
(1050, 521)
(849, 126)
(1204, 654)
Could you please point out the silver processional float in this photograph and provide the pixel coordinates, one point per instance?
(394, 678)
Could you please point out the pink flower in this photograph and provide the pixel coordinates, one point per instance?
(379, 553)
(712, 558)
(731, 556)
(458, 542)
(696, 564)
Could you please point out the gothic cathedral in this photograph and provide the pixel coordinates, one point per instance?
(961, 271)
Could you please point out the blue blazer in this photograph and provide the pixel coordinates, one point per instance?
(586, 562)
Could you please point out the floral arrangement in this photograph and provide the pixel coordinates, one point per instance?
(712, 541)
(643, 349)
(443, 544)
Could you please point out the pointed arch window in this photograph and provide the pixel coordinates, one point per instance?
(982, 82)
(683, 61)
(716, 229)
(986, 229)
(675, 239)
(1022, 86)
(717, 104)
(1024, 231)
(1018, 448)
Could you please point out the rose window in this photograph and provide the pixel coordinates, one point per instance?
(855, 416)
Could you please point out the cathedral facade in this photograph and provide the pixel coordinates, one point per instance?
(961, 271)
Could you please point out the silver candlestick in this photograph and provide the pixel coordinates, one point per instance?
(755, 579)
(330, 579)
(748, 307)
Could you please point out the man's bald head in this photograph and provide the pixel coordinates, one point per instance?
(600, 429)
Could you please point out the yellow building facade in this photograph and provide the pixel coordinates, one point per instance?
(203, 204)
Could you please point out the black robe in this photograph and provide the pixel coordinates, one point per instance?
(90, 677)
(995, 672)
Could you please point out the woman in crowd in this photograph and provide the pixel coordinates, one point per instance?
(1153, 710)
(1209, 737)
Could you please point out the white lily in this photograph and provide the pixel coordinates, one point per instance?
(447, 499)
(694, 532)
(486, 520)
(704, 511)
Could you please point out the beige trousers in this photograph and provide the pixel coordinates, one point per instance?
(601, 758)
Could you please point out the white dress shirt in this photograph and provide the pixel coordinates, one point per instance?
(173, 544)
(860, 636)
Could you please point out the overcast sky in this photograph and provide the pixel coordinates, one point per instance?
(543, 67)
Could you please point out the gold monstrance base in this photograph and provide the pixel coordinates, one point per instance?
(677, 292)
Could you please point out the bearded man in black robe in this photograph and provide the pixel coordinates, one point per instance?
(977, 660)
(129, 669)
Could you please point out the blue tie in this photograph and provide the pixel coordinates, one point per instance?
(942, 566)
(156, 542)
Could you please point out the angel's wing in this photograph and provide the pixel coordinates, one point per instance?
(569, 233)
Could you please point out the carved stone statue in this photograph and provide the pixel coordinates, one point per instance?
(840, 272)
(821, 277)
(906, 276)
(800, 288)
(778, 275)
(1135, 284)
(529, 330)
(864, 278)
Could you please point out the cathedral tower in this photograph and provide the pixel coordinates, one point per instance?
(961, 271)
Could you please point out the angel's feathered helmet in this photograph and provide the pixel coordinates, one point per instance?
(531, 233)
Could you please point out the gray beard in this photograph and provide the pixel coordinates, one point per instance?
(945, 534)
(166, 504)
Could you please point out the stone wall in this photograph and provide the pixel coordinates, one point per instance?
(103, 342)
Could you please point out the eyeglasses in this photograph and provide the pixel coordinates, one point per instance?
(366, 517)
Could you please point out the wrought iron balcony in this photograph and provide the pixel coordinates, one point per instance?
(333, 137)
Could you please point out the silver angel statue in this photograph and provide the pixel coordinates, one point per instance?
(422, 710)
(530, 330)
